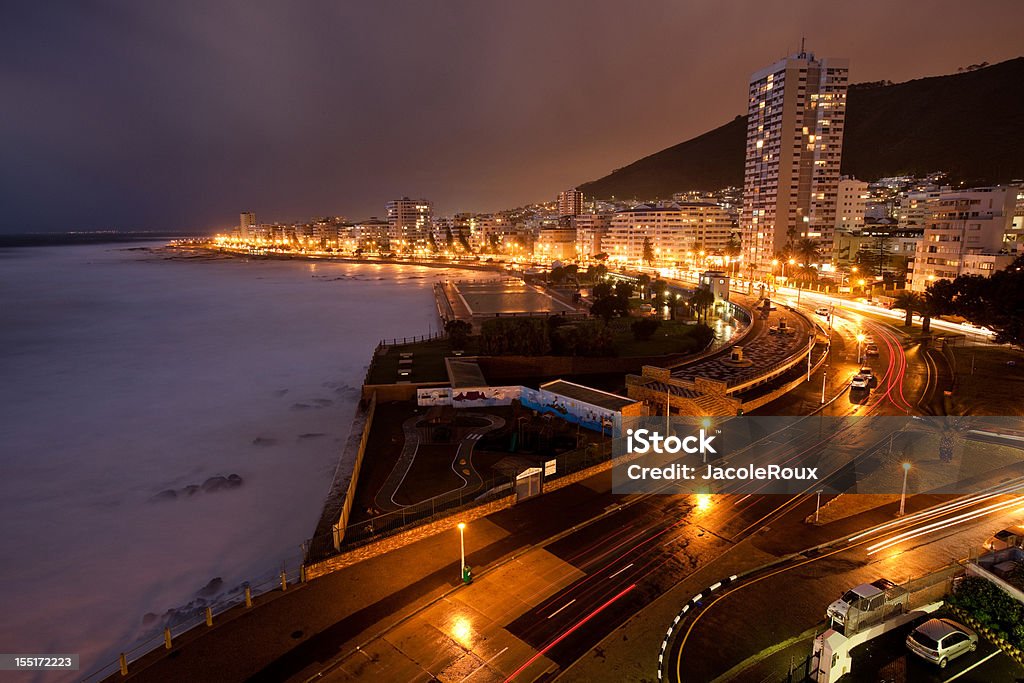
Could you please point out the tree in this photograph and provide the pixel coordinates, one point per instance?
(644, 282)
(808, 252)
(458, 332)
(644, 328)
(806, 273)
(909, 302)
(936, 300)
(623, 290)
(701, 300)
(881, 250)
(733, 248)
(606, 307)
(660, 288)
(648, 251)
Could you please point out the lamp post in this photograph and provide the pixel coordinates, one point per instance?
(903, 496)
(706, 425)
(824, 374)
(462, 546)
(860, 341)
(817, 506)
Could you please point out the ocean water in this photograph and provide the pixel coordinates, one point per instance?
(127, 380)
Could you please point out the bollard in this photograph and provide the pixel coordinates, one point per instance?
(167, 638)
(248, 596)
(284, 580)
(124, 665)
(209, 616)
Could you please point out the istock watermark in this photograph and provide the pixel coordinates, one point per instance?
(792, 455)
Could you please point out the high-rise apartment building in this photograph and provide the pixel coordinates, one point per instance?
(409, 222)
(795, 119)
(246, 224)
(851, 202)
(676, 232)
(570, 203)
(965, 235)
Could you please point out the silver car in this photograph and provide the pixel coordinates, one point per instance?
(940, 640)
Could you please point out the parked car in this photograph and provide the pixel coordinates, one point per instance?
(871, 350)
(867, 603)
(1007, 538)
(869, 374)
(822, 310)
(940, 640)
(860, 382)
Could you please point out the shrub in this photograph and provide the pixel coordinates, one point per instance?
(644, 328)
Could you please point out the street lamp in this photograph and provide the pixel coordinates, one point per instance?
(860, 340)
(705, 426)
(903, 496)
(462, 545)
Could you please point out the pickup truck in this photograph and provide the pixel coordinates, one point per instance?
(867, 603)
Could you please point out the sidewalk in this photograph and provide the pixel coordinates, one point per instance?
(320, 620)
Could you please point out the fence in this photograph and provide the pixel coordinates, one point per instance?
(240, 597)
(900, 599)
(350, 490)
(359, 533)
(411, 340)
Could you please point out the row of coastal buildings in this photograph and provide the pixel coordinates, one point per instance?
(903, 229)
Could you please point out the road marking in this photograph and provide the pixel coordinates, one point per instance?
(486, 662)
(567, 633)
(621, 570)
(977, 663)
(562, 608)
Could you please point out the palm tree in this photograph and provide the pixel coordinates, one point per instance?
(808, 252)
(701, 300)
(937, 300)
(909, 302)
(733, 248)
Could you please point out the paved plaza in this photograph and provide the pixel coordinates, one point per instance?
(506, 297)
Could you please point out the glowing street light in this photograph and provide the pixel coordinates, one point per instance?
(466, 576)
(903, 496)
(860, 341)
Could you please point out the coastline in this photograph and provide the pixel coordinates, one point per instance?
(365, 260)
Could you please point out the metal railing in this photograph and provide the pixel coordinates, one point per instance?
(201, 616)
(411, 340)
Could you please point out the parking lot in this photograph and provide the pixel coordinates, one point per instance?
(886, 659)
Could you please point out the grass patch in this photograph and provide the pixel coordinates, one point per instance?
(672, 336)
(427, 361)
(985, 384)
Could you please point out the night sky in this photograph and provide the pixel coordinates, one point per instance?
(178, 115)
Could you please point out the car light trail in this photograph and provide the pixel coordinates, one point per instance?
(566, 634)
(940, 509)
(943, 524)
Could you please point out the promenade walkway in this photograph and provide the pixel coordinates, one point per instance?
(395, 616)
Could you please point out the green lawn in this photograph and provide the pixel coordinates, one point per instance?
(427, 362)
(673, 336)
